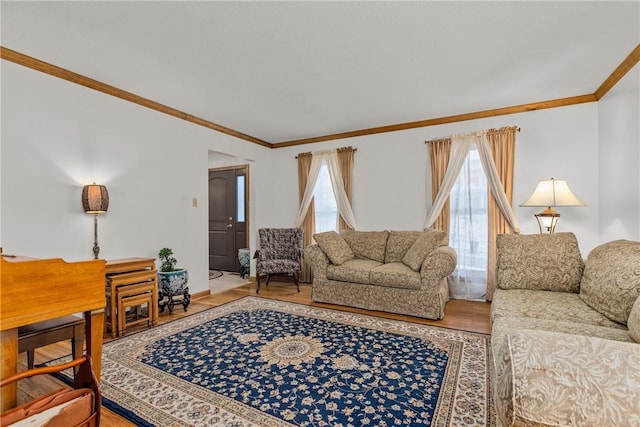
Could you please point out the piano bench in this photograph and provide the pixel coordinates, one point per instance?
(51, 331)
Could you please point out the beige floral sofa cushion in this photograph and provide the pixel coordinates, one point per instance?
(395, 275)
(334, 246)
(543, 381)
(399, 243)
(547, 305)
(367, 244)
(354, 270)
(423, 246)
(634, 321)
(539, 261)
(611, 281)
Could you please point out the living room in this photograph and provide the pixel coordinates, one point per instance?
(154, 164)
(58, 136)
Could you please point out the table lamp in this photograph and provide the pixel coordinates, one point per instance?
(550, 193)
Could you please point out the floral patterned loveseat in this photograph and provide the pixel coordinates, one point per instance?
(565, 334)
(395, 271)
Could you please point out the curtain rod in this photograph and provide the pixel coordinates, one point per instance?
(481, 132)
(338, 149)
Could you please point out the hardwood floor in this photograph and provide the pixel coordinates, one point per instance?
(459, 314)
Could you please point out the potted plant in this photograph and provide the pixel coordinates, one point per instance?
(172, 287)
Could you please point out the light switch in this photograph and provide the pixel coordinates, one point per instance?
(194, 202)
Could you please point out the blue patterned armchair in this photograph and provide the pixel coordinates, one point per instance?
(280, 253)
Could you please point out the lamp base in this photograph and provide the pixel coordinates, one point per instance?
(96, 248)
(547, 219)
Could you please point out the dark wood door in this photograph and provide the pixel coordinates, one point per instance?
(227, 224)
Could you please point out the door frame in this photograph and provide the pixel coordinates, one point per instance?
(245, 169)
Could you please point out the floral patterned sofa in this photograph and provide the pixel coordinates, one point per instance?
(565, 334)
(395, 271)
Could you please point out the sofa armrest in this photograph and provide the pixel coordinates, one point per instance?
(317, 260)
(438, 264)
(548, 378)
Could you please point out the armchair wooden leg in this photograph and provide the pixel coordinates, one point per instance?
(296, 279)
(268, 278)
(258, 280)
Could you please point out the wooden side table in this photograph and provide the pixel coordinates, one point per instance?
(126, 273)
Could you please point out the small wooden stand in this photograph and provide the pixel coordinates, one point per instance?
(126, 279)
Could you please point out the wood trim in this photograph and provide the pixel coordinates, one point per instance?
(247, 190)
(230, 168)
(53, 70)
(199, 295)
(561, 102)
(629, 62)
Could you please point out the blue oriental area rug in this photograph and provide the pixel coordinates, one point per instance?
(260, 362)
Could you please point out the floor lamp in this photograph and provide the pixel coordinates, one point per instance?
(550, 193)
(95, 200)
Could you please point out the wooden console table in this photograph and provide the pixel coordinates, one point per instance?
(126, 273)
(34, 290)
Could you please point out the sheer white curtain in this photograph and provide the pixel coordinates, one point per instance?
(468, 230)
(330, 158)
(324, 202)
(459, 150)
(460, 146)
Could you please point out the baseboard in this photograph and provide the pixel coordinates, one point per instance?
(201, 294)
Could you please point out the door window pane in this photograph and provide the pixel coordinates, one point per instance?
(240, 198)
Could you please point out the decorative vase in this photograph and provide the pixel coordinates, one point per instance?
(244, 256)
(173, 289)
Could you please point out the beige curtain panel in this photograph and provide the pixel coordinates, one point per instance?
(309, 223)
(496, 149)
(459, 149)
(330, 158)
(439, 151)
(339, 163)
(460, 146)
(345, 162)
(502, 143)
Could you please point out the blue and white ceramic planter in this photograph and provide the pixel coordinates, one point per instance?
(244, 256)
(173, 289)
(173, 281)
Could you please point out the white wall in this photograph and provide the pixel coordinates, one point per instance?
(58, 136)
(619, 135)
(391, 189)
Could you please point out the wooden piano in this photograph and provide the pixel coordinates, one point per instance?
(33, 290)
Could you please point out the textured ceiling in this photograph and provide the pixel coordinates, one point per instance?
(288, 70)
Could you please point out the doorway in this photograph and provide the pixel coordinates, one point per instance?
(228, 216)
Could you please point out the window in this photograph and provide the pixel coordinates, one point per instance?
(240, 197)
(469, 229)
(325, 202)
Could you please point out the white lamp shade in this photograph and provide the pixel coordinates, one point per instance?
(552, 192)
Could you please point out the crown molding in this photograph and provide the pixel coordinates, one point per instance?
(625, 66)
(561, 102)
(53, 70)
